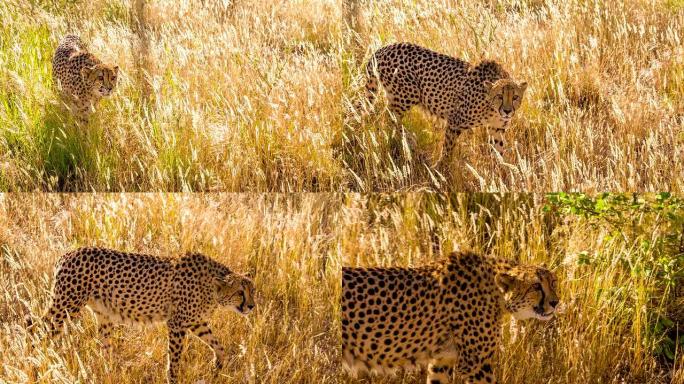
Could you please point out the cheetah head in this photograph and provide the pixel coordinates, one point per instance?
(236, 292)
(529, 292)
(101, 78)
(505, 96)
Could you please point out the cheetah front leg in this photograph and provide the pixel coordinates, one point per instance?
(398, 108)
(365, 103)
(56, 316)
(105, 327)
(484, 375)
(65, 303)
(82, 114)
(455, 127)
(475, 365)
(176, 335)
(497, 138)
(203, 331)
(440, 371)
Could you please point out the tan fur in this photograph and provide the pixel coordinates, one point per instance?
(133, 288)
(445, 315)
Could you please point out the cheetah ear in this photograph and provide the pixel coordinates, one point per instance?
(225, 285)
(86, 71)
(523, 87)
(231, 280)
(116, 70)
(488, 85)
(504, 281)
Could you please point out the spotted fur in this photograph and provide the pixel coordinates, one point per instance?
(464, 95)
(133, 288)
(80, 77)
(445, 315)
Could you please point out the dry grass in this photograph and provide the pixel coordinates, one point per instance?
(604, 110)
(237, 96)
(210, 97)
(291, 336)
(294, 246)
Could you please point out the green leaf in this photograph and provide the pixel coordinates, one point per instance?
(583, 258)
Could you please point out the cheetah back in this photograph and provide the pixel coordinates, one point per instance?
(444, 85)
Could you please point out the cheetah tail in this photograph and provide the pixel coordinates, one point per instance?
(30, 325)
(28, 321)
(73, 41)
(363, 103)
(371, 81)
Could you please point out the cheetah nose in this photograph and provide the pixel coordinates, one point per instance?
(250, 306)
(553, 303)
(507, 111)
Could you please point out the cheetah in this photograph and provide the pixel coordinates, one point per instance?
(134, 288)
(445, 315)
(81, 78)
(464, 95)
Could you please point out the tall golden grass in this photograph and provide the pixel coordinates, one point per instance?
(289, 338)
(213, 95)
(295, 246)
(256, 96)
(603, 110)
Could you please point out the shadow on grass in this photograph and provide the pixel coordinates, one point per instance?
(66, 151)
(382, 156)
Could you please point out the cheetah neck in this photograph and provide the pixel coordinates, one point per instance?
(501, 266)
(489, 267)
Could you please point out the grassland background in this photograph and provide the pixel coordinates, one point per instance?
(289, 338)
(603, 109)
(615, 286)
(255, 96)
(211, 96)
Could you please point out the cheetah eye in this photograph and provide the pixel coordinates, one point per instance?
(537, 286)
(515, 98)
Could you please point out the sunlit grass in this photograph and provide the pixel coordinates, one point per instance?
(244, 97)
(295, 246)
(289, 338)
(603, 110)
(232, 96)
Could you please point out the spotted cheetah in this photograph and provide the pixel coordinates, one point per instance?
(134, 288)
(464, 95)
(81, 78)
(446, 315)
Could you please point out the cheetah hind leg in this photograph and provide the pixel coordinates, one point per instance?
(58, 312)
(105, 328)
(203, 331)
(397, 112)
(440, 371)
